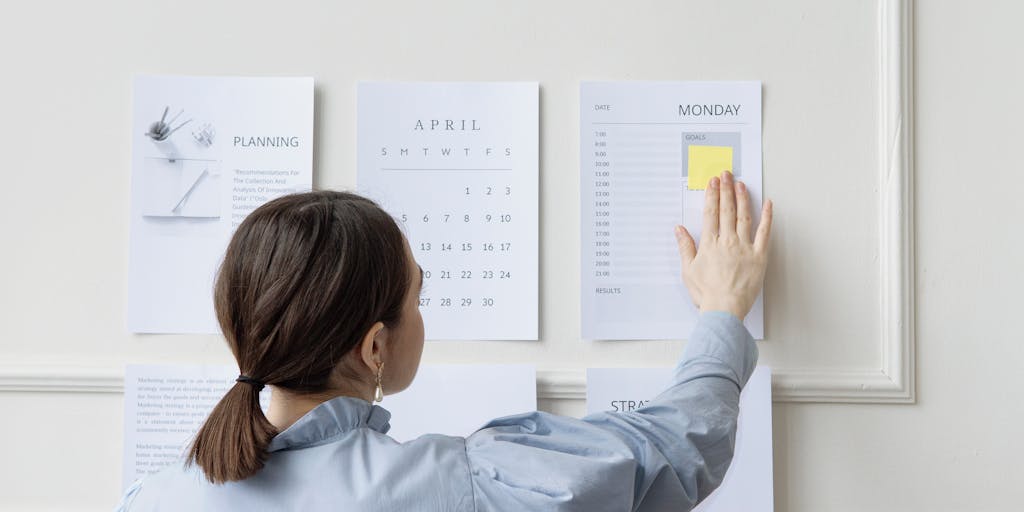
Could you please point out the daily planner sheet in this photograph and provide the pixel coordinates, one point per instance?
(647, 152)
(456, 164)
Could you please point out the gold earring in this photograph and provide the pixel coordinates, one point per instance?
(379, 395)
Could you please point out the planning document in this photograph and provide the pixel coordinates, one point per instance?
(206, 151)
(647, 153)
(748, 482)
(456, 164)
(165, 405)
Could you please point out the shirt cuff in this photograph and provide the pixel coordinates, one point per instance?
(719, 339)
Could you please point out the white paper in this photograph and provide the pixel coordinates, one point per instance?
(165, 405)
(458, 399)
(232, 145)
(456, 163)
(634, 138)
(748, 482)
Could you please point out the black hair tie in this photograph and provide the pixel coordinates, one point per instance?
(251, 381)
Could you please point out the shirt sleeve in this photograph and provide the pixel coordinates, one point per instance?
(668, 455)
(129, 496)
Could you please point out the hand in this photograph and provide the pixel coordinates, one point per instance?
(727, 271)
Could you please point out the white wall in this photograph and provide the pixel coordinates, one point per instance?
(959, 447)
(64, 101)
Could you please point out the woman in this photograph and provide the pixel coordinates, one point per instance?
(318, 298)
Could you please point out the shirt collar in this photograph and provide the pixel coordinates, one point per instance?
(329, 420)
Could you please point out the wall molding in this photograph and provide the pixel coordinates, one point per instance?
(893, 381)
(61, 378)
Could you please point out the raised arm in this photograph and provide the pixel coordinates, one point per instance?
(675, 451)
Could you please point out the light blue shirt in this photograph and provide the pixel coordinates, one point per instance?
(668, 455)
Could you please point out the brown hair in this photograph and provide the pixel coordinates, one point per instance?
(304, 278)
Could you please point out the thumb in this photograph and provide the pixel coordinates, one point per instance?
(687, 247)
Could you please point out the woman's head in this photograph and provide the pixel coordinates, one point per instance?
(316, 291)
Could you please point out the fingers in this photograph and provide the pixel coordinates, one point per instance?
(687, 248)
(711, 209)
(727, 207)
(764, 230)
(743, 218)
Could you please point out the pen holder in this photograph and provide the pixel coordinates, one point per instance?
(167, 148)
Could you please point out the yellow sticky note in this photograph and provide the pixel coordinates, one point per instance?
(706, 162)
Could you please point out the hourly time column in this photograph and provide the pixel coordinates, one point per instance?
(457, 165)
(631, 189)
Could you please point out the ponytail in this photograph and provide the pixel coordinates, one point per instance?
(303, 278)
(232, 444)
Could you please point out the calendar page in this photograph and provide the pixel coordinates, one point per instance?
(456, 164)
(647, 153)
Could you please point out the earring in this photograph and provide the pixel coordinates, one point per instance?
(379, 395)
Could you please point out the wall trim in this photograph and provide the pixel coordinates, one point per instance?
(61, 378)
(570, 385)
(893, 381)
